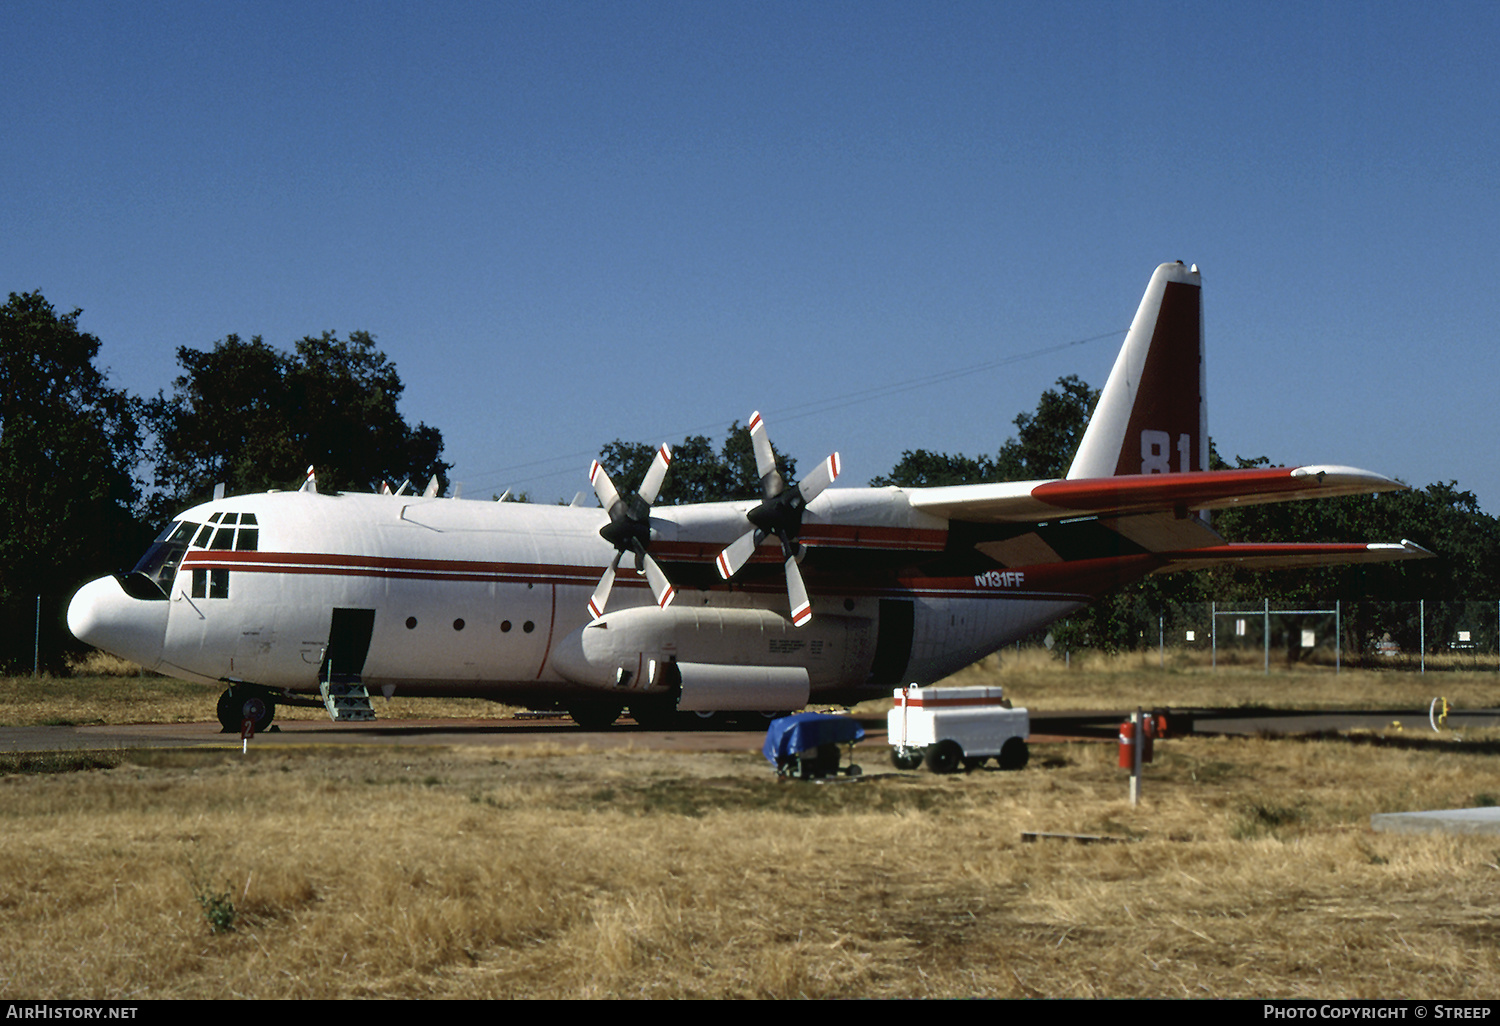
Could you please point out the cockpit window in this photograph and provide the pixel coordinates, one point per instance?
(161, 560)
(223, 532)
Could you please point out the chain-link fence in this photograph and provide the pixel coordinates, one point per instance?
(1422, 635)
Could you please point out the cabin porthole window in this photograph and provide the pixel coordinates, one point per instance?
(458, 624)
(411, 622)
(504, 626)
(528, 626)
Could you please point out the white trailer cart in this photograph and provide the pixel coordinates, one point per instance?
(950, 727)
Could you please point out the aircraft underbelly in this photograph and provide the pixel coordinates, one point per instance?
(950, 633)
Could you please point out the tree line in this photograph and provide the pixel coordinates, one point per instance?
(91, 472)
(1441, 517)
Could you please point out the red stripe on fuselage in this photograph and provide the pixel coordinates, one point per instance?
(1076, 581)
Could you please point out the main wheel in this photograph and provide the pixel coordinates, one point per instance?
(245, 702)
(1014, 754)
(595, 715)
(655, 714)
(944, 756)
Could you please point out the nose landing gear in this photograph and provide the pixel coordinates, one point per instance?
(241, 702)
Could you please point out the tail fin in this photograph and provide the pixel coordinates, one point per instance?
(1152, 417)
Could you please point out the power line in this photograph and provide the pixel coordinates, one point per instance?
(809, 409)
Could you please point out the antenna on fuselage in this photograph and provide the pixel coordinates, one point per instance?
(218, 491)
(311, 484)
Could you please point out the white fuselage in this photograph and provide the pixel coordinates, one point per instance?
(491, 599)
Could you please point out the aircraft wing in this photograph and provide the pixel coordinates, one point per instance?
(1127, 494)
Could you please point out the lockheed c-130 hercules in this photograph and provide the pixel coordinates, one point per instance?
(302, 597)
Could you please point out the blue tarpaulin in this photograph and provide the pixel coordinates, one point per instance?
(792, 735)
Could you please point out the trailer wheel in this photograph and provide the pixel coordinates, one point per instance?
(944, 756)
(910, 761)
(826, 762)
(1014, 754)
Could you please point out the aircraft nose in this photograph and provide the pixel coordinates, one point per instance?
(103, 615)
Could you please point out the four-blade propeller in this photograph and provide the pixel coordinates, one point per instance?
(629, 530)
(779, 515)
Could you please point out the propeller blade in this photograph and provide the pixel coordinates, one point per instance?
(771, 480)
(658, 473)
(660, 586)
(826, 473)
(796, 591)
(738, 553)
(600, 597)
(603, 487)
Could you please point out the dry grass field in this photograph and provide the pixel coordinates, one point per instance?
(1248, 871)
(104, 689)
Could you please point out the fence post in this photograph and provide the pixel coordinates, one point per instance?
(36, 643)
(1422, 631)
(1267, 632)
(1213, 634)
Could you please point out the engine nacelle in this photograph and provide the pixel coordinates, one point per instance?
(721, 659)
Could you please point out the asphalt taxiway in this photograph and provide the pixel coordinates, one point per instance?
(531, 731)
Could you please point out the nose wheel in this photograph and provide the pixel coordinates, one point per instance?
(241, 702)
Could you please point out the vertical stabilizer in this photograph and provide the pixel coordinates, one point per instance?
(1152, 417)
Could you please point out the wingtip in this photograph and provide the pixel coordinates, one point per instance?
(1335, 475)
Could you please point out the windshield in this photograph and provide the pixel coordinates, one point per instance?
(223, 532)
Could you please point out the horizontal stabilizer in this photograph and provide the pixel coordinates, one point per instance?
(1284, 555)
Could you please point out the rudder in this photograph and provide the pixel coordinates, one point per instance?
(1152, 416)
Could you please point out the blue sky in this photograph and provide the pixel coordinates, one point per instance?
(572, 222)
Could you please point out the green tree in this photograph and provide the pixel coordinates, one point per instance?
(698, 472)
(1047, 440)
(919, 468)
(1043, 446)
(251, 416)
(1379, 598)
(69, 444)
